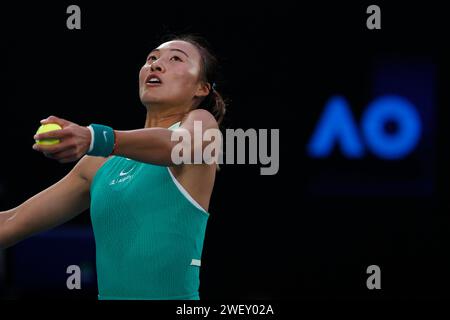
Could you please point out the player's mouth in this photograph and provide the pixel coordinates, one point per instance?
(153, 80)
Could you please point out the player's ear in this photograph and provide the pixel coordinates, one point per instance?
(203, 89)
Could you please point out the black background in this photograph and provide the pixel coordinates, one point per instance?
(268, 236)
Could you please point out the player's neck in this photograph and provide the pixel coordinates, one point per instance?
(164, 118)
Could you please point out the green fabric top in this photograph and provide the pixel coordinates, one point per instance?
(148, 232)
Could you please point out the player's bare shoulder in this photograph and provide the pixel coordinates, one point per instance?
(88, 166)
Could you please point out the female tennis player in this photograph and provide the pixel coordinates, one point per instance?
(148, 214)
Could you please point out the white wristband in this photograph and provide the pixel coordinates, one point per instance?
(92, 139)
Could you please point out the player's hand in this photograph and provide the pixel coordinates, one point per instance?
(74, 141)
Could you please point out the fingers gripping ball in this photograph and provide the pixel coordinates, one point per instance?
(46, 128)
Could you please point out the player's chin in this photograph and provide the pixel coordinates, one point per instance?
(147, 99)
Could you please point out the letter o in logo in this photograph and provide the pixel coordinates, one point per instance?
(391, 108)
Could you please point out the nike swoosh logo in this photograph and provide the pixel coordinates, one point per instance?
(124, 173)
(104, 134)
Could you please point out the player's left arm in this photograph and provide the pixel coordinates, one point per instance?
(155, 145)
(149, 145)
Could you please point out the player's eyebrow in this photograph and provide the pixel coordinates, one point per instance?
(174, 49)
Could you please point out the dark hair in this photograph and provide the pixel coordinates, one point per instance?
(209, 68)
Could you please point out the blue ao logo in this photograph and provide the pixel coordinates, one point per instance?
(337, 126)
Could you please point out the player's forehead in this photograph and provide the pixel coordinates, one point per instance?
(184, 47)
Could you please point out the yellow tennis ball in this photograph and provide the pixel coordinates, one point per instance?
(46, 128)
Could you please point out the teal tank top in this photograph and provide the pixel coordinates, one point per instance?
(148, 231)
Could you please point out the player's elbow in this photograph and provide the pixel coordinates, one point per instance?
(11, 231)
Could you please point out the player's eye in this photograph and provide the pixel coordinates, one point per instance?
(176, 58)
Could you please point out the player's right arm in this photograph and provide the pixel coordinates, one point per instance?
(51, 207)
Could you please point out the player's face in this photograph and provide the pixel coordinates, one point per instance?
(171, 74)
